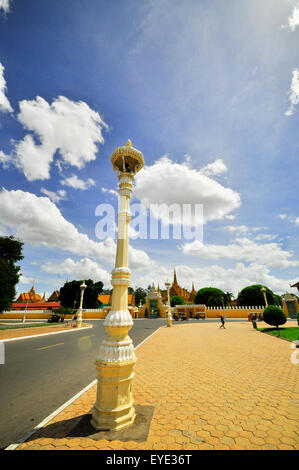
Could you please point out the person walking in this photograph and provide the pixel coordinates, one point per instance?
(222, 321)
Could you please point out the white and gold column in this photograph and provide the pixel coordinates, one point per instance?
(79, 313)
(115, 362)
(169, 317)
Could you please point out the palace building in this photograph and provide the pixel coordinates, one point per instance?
(32, 301)
(156, 299)
(177, 290)
(31, 296)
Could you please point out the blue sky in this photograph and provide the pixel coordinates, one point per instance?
(208, 91)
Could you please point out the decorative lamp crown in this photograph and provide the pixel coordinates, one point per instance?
(127, 159)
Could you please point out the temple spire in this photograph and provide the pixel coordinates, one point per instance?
(175, 282)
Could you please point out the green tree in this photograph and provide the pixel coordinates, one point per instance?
(70, 294)
(140, 294)
(274, 316)
(210, 296)
(176, 300)
(10, 253)
(228, 297)
(252, 295)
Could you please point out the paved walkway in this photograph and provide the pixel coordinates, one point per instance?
(205, 387)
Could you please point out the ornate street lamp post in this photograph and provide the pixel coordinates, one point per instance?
(25, 311)
(263, 290)
(169, 317)
(79, 314)
(115, 362)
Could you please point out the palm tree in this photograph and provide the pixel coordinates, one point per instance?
(228, 298)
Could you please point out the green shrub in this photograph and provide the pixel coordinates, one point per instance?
(64, 311)
(252, 295)
(176, 300)
(297, 316)
(274, 316)
(210, 296)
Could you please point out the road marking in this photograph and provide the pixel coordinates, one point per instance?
(16, 444)
(86, 337)
(52, 346)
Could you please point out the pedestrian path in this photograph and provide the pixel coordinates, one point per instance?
(198, 387)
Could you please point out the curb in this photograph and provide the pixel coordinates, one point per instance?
(15, 445)
(45, 334)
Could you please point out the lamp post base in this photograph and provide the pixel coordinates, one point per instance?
(113, 409)
(79, 319)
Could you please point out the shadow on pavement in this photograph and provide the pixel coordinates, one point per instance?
(80, 426)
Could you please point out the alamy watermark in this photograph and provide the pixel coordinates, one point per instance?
(157, 221)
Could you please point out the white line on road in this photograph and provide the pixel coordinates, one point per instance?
(45, 334)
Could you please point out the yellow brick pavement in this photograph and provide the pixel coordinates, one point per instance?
(210, 389)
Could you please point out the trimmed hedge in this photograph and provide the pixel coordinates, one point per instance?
(274, 316)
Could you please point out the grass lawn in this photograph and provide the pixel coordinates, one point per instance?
(34, 325)
(10, 321)
(291, 333)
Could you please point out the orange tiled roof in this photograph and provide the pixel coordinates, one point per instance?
(107, 298)
(104, 298)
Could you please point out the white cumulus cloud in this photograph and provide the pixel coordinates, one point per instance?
(110, 191)
(85, 268)
(294, 93)
(167, 182)
(5, 5)
(266, 236)
(237, 228)
(269, 254)
(4, 103)
(216, 168)
(232, 279)
(76, 183)
(4, 159)
(293, 19)
(27, 280)
(37, 221)
(55, 197)
(70, 128)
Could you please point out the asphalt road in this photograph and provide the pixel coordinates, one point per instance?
(42, 373)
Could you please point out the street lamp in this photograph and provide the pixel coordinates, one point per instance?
(113, 409)
(169, 318)
(263, 290)
(25, 311)
(79, 313)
